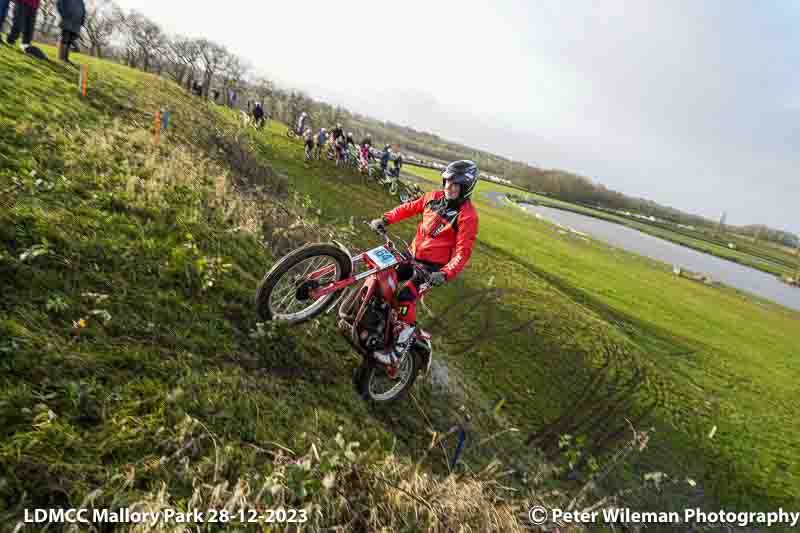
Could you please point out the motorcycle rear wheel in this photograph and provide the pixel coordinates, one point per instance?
(370, 374)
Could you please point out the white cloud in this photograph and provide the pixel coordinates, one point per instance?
(693, 104)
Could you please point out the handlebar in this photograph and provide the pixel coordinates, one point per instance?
(418, 269)
(388, 236)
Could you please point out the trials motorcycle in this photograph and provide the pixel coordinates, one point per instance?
(317, 278)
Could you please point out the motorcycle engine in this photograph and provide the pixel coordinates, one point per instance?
(371, 330)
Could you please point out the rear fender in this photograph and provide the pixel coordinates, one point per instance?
(336, 301)
(343, 248)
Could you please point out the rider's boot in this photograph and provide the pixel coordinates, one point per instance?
(404, 338)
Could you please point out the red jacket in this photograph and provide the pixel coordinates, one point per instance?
(445, 236)
(32, 3)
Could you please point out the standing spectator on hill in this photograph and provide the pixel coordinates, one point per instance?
(258, 115)
(73, 15)
(3, 13)
(24, 23)
(398, 163)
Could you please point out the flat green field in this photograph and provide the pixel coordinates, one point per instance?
(128, 272)
(724, 359)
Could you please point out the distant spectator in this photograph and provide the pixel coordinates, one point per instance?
(398, 163)
(24, 23)
(215, 92)
(3, 13)
(197, 89)
(258, 115)
(385, 157)
(73, 15)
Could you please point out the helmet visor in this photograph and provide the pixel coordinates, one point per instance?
(454, 177)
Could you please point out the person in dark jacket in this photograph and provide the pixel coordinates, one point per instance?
(385, 157)
(73, 15)
(398, 163)
(3, 13)
(24, 23)
(258, 115)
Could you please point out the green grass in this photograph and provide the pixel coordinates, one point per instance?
(725, 359)
(91, 207)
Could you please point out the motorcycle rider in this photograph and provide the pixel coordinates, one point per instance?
(364, 153)
(308, 137)
(301, 122)
(337, 132)
(322, 138)
(442, 245)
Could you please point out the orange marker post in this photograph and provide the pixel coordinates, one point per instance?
(83, 82)
(158, 124)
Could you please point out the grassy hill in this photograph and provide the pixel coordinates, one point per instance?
(134, 370)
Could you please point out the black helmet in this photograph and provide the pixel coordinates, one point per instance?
(463, 172)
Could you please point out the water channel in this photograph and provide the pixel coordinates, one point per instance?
(741, 277)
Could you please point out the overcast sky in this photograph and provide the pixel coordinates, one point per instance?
(693, 104)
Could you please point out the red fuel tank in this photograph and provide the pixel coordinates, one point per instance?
(387, 283)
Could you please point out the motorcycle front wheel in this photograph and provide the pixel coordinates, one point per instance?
(283, 293)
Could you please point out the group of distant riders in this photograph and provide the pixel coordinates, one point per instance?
(342, 145)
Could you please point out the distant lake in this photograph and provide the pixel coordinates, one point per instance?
(741, 277)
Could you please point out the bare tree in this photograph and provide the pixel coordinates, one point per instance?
(100, 25)
(46, 17)
(264, 89)
(233, 72)
(144, 40)
(184, 54)
(213, 58)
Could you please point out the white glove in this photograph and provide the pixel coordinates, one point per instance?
(378, 225)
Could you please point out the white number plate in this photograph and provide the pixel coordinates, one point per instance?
(382, 257)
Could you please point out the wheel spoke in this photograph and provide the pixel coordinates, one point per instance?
(283, 300)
